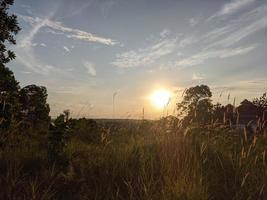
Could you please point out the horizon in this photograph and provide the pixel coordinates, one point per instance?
(104, 59)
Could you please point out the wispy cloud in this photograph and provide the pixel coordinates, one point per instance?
(187, 41)
(201, 57)
(236, 30)
(90, 68)
(69, 32)
(161, 46)
(165, 33)
(236, 51)
(43, 44)
(256, 84)
(25, 52)
(221, 41)
(241, 33)
(197, 77)
(145, 56)
(66, 49)
(232, 7)
(193, 21)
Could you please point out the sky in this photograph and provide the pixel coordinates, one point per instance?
(104, 58)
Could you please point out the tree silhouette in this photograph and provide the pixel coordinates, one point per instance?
(8, 29)
(9, 89)
(8, 85)
(196, 105)
(33, 102)
(261, 102)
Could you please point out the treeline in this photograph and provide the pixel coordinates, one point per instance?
(197, 107)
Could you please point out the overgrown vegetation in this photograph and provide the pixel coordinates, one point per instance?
(202, 155)
(144, 161)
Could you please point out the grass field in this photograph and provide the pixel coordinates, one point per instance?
(138, 160)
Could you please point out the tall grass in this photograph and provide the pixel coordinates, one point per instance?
(141, 161)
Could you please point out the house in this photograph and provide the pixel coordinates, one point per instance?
(247, 114)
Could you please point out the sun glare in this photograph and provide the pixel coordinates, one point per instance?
(160, 98)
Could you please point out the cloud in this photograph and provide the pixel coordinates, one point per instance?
(255, 84)
(242, 33)
(209, 54)
(187, 41)
(219, 43)
(218, 32)
(69, 32)
(145, 56)
(193, 22)
(236, 30)
(25, 53)
(164, 33)
(66, 49)
(237, 51)
(232, 7)
(197, 77)
(90, 68)
(43, 44)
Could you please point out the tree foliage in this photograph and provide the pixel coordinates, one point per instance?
(196, 104)
(8, 29)
(9, 92)
(8, 85)
(34, 106)
(29, 103)
(261, 102)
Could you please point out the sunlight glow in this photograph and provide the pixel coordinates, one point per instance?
(160, 98)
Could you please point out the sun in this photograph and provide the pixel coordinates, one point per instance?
(160, 98)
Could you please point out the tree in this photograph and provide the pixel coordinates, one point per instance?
(218, 112)
(8, 29)
(196, 105)
(8, 85)
(9, 89)
(204, 111)
(57, 140)
(261, 102)
(34, 106)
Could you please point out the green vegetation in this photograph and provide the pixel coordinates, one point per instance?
(142, 160)
(199, 156)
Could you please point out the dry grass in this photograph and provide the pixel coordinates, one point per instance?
(144, 161)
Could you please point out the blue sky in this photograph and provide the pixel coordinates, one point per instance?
(85, 51)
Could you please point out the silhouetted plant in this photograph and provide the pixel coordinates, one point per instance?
(57, 141)
(34, 108)
(9, 104)
(8, 29)
(9, 87)
(218, 113)
(261, 102)
(88, 130)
